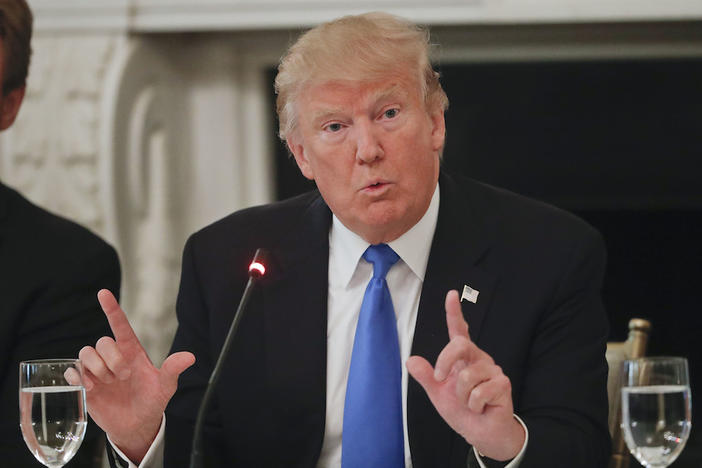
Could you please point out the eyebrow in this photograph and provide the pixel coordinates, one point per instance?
(392, 91)
(381, 95)
(326, 113)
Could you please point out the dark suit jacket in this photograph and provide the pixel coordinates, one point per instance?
(50, 271)
(538, 314)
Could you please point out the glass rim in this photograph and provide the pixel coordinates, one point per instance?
(656, 359)
(50, 361)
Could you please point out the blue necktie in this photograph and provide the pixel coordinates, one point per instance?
(372, 431)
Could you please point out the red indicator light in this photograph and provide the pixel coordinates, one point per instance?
(257, 269)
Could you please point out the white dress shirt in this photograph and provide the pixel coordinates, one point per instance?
(349, 274)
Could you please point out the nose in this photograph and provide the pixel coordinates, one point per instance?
(368, 147)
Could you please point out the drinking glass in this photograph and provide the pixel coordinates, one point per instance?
(52, 411)
(656, 408)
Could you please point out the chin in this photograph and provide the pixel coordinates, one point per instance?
(382, 227)
(379, 216)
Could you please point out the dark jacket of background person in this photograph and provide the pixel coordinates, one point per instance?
(50, 272)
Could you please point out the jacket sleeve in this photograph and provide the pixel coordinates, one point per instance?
(192, 335)
(563, 400)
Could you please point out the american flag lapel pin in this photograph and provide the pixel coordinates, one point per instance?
(470, 294)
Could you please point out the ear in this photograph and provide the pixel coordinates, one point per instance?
(298, 150)
(438, 128)
(9, 106)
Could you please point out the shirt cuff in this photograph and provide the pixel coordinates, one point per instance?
(514, 463)
(153, 457)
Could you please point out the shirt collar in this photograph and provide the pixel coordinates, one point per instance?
(347, 247)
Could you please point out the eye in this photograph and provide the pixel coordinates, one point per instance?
(391, 113)
(333, 127)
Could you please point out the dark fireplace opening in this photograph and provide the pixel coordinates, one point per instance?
(617, 142)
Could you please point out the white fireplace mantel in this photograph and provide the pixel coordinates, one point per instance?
(233, 15)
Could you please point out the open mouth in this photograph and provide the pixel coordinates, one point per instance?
(376, 186)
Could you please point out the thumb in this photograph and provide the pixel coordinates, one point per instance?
(421, 370)
(174, 365)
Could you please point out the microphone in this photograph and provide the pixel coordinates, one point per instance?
(257, 269)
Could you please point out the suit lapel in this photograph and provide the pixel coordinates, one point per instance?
(459, 243)
(295, 311)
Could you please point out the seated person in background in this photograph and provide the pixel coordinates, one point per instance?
(50, 268)
(356, 350)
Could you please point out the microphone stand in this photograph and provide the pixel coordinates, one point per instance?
(256, 270)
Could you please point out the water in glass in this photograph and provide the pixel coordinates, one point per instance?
(656, 408)
(56, 422)
(53, 415)
(656, 422)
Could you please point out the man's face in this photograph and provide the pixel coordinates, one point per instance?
(373, 150)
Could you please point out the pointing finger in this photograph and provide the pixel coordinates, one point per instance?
(119, 324)
(457, 326)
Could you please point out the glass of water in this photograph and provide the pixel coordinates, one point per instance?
(52, 411)
(656, 408)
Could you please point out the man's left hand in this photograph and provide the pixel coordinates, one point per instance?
(470, 391)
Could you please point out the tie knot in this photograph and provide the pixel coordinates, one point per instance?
(382, 257)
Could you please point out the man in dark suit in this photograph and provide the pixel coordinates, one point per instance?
(50, 268)
(519, 376)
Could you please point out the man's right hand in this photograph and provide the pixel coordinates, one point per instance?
(126, 393)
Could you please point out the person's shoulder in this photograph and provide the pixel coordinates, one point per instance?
(260, 223)
(42, 230)
(517, 216)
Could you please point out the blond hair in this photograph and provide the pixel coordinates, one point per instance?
(16, 34)
(359, 48)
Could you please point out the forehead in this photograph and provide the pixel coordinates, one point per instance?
(348, 95)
